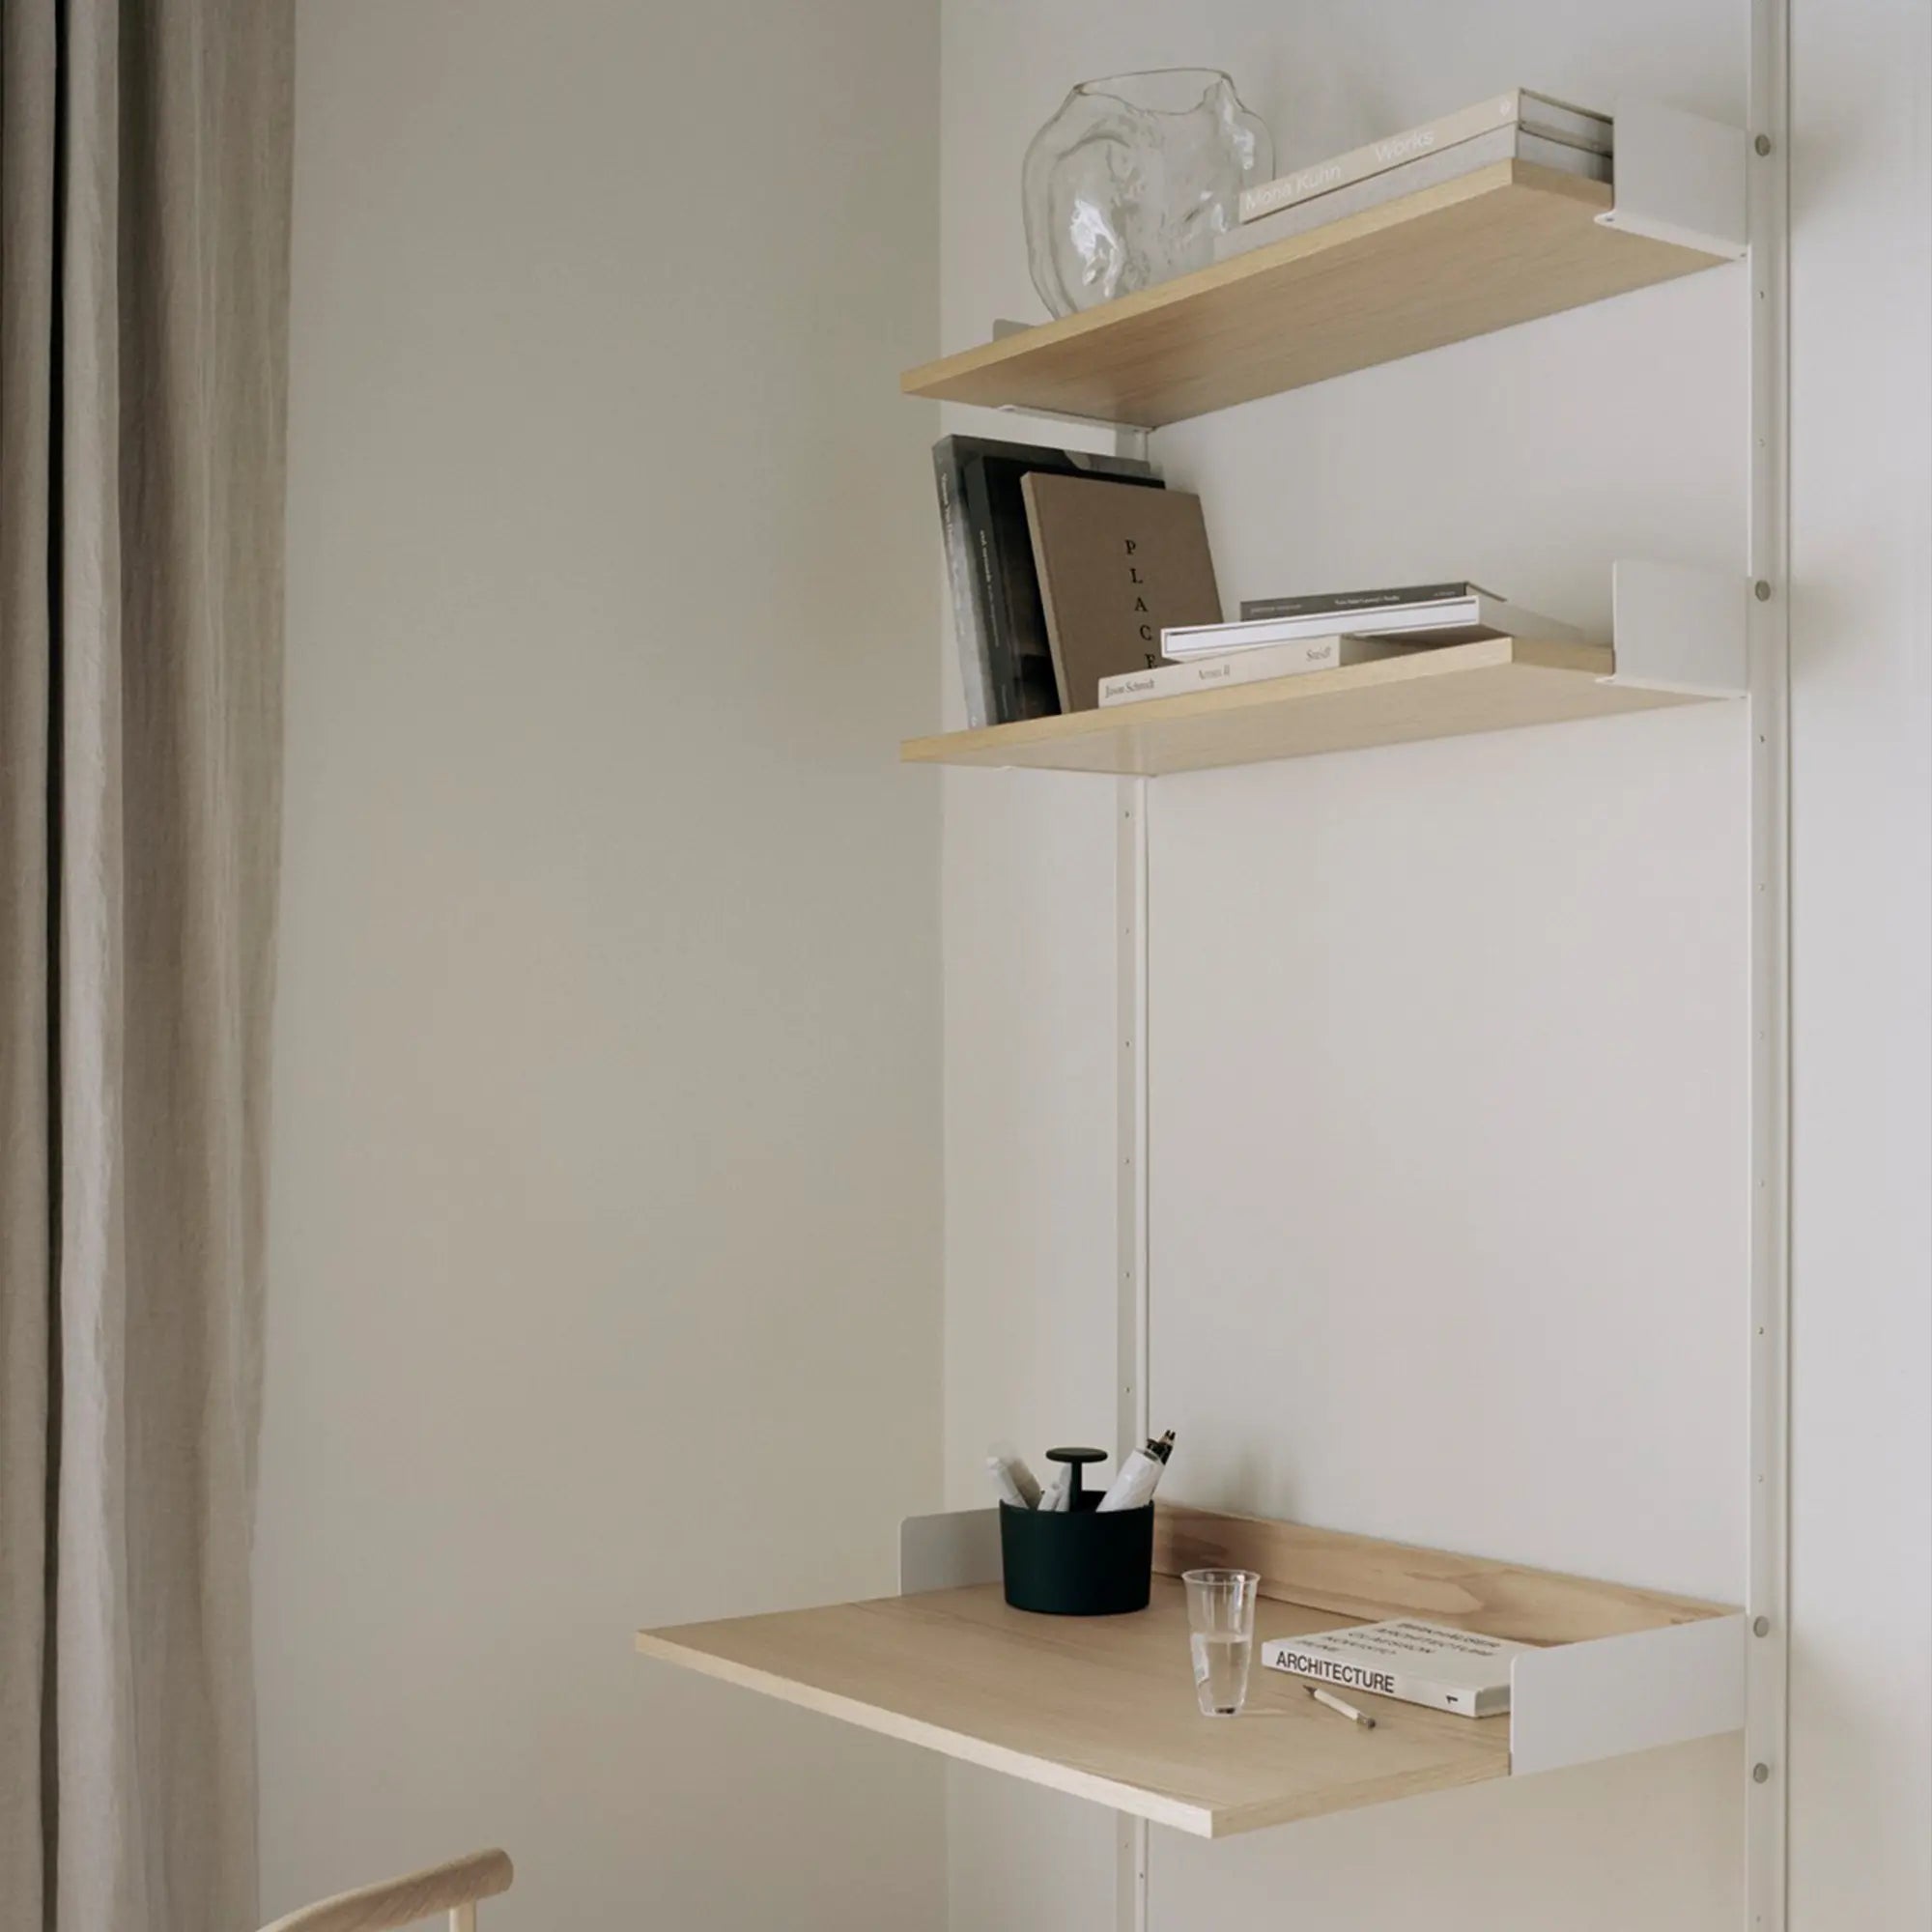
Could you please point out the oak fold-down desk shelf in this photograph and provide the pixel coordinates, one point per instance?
(1103, 1707)
(1505, 244)
(1446, 692)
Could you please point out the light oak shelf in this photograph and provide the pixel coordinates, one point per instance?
(1504, 245)
(1491, 686)
(1103, 1707)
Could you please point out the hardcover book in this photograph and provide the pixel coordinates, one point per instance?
(1428, 169)
(1328, 653)
(1005, 659)
(1536, 114)
(1116, 565)
(1345, 603)
(1436, 1664)
(1449, 620)
(975, 667)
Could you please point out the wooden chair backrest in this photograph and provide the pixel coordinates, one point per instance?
(454, 1888)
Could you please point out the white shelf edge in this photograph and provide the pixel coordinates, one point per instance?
(1574, 1703)
(1679, 178)
(1679, 628)
(949, 1551)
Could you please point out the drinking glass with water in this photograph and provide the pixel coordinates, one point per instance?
(1221, 1632)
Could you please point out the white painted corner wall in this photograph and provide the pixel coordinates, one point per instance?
(607, 1172)
(1448, 1042)
(1861, 964)
(605, 1268)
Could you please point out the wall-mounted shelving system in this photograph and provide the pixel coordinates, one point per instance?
(1103, 1708)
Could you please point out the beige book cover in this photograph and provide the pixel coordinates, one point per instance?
(1118, 565)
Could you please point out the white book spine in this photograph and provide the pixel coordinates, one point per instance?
(1426, 170)
(1516, 108)
(1351, 1674)
(1197, 641)
(1373, 157)
(1252, 666)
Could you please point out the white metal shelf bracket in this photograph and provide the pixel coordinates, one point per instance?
(1575, 1703)
(952, 1551)
(1679, 179)
(1679, 628)
(1130, 439)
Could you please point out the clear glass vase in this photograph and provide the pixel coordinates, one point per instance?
(1132, 179)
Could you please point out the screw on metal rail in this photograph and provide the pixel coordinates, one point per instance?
(1761, 590)
(1760, 1625)
(1762, 144)
(1760, 1772)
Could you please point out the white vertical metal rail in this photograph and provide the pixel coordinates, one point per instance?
(1767, 1586)
(1131, 1425)
(1768, 1532)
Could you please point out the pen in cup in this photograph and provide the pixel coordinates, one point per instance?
(1011, 1477)
(1134, 1486)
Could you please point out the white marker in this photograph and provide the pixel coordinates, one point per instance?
(1134, 1487)
(1011, 1477)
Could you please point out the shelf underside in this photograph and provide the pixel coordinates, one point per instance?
(1504, 245)
(1491, 686)
(1103, 1707)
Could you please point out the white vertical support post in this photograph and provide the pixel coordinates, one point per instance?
(463, 1919)
(1767, 1586)
(1130, 1008)
(1130, 1240)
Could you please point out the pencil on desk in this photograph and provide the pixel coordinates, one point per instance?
(1334, 1703)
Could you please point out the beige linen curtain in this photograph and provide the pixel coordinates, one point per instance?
(144, 190)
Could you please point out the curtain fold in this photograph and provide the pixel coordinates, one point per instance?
(144, 197)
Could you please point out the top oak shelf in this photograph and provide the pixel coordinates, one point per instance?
(1504, 245)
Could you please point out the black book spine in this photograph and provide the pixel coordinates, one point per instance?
(1021, 616)
(1338, 602)
(969, 627)
(990, 592)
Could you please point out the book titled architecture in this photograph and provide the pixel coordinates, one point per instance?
(1436, 1664)
(1171, 680)
(1430, 169)
(1004, 662)
(1116, 566)
(1535, 114)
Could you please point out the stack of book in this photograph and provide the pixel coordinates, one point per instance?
(1514, 126)
(1066, 569)
(1287, 636)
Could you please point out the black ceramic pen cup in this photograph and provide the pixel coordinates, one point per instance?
(1080, 1561)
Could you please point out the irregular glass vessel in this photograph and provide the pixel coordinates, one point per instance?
(1132, 179)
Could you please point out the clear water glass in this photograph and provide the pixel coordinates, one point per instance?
(1221, 1633)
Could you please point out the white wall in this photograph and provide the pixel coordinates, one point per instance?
(605, 1282)
(606, 1065)
(1448, 1044)
(1861, 967)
